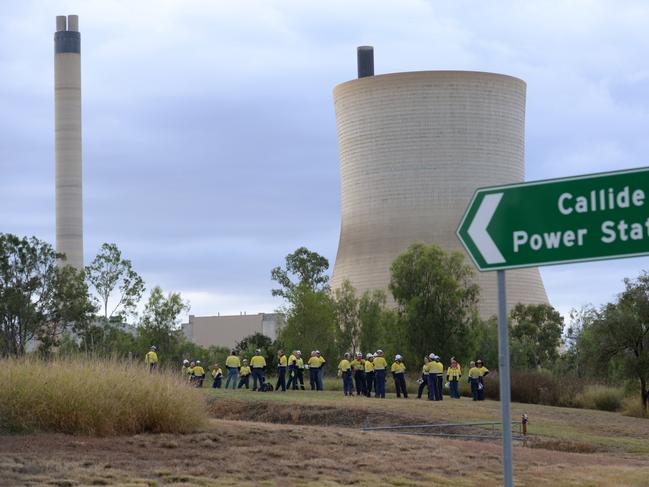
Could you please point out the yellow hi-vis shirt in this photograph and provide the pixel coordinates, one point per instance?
(216, 372)
(198, 371)
(356, 364)
(282, 361)
(483, 371)
(190, 370)
(344, 365)
(244, 371)
(453, 374)
(369, 366)
(151, 357)
(300, 363)
(292, 360)
(314, 362)
(425, 368)
(380, 363)
(257, 362)
(436, 367)
(398, 367)
(233, 361)
(474, 372)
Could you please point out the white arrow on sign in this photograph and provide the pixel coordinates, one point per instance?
(478, 229)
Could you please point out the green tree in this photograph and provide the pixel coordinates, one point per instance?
(346, 305)
(159, 324)
(373, 320)
(538, 329)
(258, 341)
(303, 268)
(310, 323)
(622, 332)
(436, 299)
(110, 273)
(38, 299)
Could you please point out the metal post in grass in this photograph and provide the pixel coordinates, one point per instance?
(503, 372)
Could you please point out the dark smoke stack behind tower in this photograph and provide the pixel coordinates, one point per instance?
(365, 61)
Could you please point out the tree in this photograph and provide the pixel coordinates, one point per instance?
(109, 272)
(258, 341)
(622, 331)
(308, 267)
(347, 316)
(538, 329)
(159, 324)
(38, 299)
(436, 299)
(310, 323)
(372, 320)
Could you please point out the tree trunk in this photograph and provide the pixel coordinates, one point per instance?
(644, 392)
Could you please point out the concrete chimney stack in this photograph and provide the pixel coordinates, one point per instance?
(67, 143)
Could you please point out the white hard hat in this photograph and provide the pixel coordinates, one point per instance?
(379, 351)
(369, 355)
(397, 357)
(317, 351)
(258, 350)
(185, 361)
(432, 356)
(298, 352)
(359, 354)
(198, 361)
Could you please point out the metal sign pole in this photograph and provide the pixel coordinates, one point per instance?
(503, 374)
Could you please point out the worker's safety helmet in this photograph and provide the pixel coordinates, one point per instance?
(369, 355)
(185, 361)
(245, 360)
(397, 357)
(478, 362)
(154, 348)
(317, 352)
(379, 352)
(198, 362)
(297, 352)
(359, 354)
(258, 350)
(432, 356)
(347, 354)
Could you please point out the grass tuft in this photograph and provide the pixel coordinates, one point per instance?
(94, 397)
(600, 397)
(632, 406)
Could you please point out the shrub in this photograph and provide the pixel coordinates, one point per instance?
(94, 397)
(600, 397)
(632, 406)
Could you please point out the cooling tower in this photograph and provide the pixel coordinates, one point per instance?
(413, 149)
(67, 135)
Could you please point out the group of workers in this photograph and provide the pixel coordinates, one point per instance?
(363, 373)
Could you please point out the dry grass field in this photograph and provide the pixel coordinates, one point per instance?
(306, 438)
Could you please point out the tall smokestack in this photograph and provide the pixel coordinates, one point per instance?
(365, 61)
(67, 143)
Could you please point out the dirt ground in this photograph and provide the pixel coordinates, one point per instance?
(260, 454)
(315, 439)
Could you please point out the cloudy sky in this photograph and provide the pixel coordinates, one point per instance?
(210, 148)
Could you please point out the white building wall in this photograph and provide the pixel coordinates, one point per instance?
(413, 149)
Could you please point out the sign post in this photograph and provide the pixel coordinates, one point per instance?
(578, 219)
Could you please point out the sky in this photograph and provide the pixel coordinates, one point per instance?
(209, 139)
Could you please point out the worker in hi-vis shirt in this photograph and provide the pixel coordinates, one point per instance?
(369, 374)
(151, 358)
(258, 365)
(315, 363)
(232, 364)
(345, 371)
(244, 374)
(380, 366)
(358, 370)
(291, 371)
(282, 363)
(423, 382)
(398, 370)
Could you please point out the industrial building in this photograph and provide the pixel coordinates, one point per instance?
(413, 149)
(226, 331)
(67, 139)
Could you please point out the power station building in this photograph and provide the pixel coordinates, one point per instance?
(413, 149)
(67, 139)
(226, 331)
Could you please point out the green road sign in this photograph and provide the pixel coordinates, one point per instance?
(577, 219)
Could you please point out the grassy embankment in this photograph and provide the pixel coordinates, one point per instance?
(555, 427)
(94, 397)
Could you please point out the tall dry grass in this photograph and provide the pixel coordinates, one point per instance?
(94, 397)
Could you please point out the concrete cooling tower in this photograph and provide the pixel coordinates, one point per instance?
(413, 149)
(67, 139)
